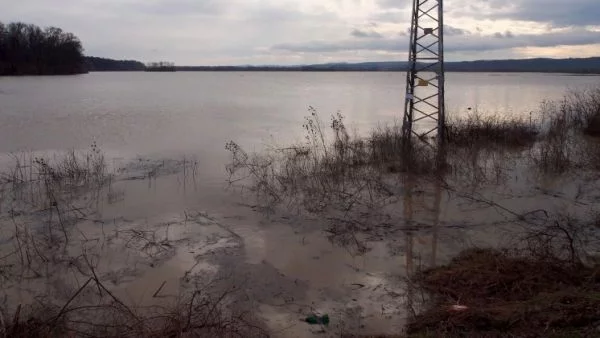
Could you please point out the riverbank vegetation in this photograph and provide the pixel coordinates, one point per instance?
(491, 293)
(333, 160)
(27, 49)
(368, 188)
(96, 64)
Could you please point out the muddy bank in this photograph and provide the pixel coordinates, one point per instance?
(489, 293)
(153, 235)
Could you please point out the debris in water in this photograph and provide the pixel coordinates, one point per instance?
(458, 308)
(315, 319)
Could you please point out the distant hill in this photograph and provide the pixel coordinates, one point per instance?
(580, 66)
(326, 67)
(540, 65)
(96, 64)
(587, 66)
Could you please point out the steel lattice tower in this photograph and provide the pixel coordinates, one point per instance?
(424, 112)
(425, 77)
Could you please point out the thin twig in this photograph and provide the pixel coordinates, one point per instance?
(158, 290)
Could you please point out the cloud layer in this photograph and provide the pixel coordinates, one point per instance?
(196, 32)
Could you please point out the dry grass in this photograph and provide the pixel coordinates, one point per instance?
(583, 109)
(40, 200)
(578, 110)
(347, 179)
(509, 295)
(330, 167)
(546, 285)
(477, 130)
(334, 170)
(354, 180)
(555, 152)
(42, 182)
(564, 123)
(332, 163)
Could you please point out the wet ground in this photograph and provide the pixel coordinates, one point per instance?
(160, 227)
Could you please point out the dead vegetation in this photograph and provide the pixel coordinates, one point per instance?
(547, 284)
(555, 153)
(323, 172)
(40, 203)
(355, 180)
(565, 125)
(583, 109)
(42, 182)
(477, 130)
(94, 311)
(348, 180)
(359, 185)
(43, 202)
(489, 293)
(336, 168)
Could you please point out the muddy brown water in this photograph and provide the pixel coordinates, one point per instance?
(133, 113)
(284, 261)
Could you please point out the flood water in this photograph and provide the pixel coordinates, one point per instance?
(289, 268)
(149, 113)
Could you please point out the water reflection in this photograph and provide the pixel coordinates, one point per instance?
(137, 113)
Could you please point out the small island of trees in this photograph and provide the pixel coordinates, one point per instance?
(26, 49)
(161, 66)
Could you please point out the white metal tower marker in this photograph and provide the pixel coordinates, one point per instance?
(424, 109)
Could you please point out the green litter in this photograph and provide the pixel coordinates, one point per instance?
(315, 319)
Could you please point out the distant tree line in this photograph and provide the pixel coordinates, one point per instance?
(539, 65)
(575, 66)
(96, 64)
(162, 66)
(27, 49)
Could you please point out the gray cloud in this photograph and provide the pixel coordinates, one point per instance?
(449, 30)
(357, 33)
(559, 13)
(457, 43)
(507, 34)
(178, 7)
(392, 16)
(396, 4)
(272, 31)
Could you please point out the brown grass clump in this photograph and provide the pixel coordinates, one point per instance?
(477, 130)
(511, 295)
(577, 111)
(584, 109)
(554, 153)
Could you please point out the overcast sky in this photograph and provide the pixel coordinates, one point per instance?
(211, 32)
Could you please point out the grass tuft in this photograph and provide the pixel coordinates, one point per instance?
(506, 294)
(477, 130)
